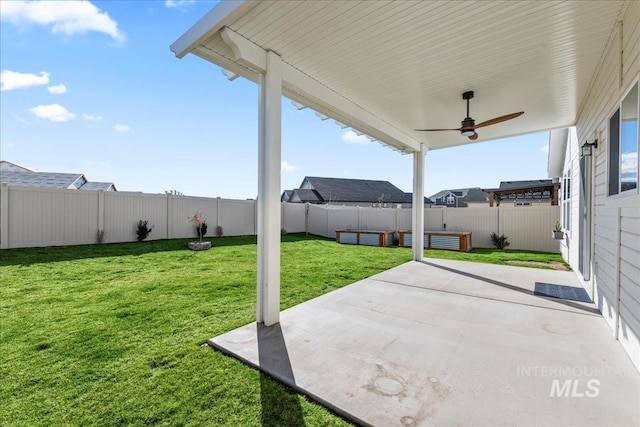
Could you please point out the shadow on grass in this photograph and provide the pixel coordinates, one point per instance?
(280, 406)
(29, 256)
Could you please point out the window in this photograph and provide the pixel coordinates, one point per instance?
(451, 199)
(623, 145)
(566, 200)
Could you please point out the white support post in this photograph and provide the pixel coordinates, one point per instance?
(269, 225)
(417, 220)
(4, 215)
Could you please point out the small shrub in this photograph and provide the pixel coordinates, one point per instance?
(219, 231)
(201, 225)
(557, 226)
(499, 242)
(143, 230)
(100, 236)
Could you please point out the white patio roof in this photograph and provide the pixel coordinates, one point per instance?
(386, 68)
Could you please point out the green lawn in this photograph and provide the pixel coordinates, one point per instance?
(111, 334)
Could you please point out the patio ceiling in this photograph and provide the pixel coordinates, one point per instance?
(386, 68)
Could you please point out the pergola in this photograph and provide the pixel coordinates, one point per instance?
(386, 68)
(525, 192)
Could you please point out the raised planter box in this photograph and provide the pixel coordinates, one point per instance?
(362, 237)
(450, 240)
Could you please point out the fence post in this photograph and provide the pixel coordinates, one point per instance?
(101, 210)
(218, 209)
(4, 215)
(169, 216)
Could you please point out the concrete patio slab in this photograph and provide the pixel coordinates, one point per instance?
(449, 343)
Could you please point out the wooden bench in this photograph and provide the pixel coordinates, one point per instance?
(450, 240)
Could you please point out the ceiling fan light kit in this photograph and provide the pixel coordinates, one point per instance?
(468, 125)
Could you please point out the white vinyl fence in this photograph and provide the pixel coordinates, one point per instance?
(32, 216)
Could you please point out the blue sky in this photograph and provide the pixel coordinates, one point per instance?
(92, 87)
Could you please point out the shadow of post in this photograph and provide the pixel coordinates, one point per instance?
(280, 406)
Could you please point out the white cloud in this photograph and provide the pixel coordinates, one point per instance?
(545, 149)
(53, 112)
(10, 80)
(58, 89)
(122, 128)
(353, 138)
(90, 118)
(287, 168)
(65, 17)
(178, 3)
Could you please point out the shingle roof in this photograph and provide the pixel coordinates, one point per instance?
(98, 186)
(39, 179)
(522, 185)
(337, 190)
(476, 195)
(301, 195)
(52, 180)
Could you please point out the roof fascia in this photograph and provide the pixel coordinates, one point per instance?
(218, 17)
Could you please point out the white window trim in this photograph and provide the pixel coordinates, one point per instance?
(616, 107)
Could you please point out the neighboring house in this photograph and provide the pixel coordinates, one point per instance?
(13, 167)
(461, 198)
(596, 163)
(20, 176)
(349, 192)
(525, 193)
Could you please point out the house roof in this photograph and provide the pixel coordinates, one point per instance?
(356, 190)
(303, 196)
(92, 185)
(388, 68)
(52, 180)
(474, 194)
(10, 166)
(507, 187)
(41, 179)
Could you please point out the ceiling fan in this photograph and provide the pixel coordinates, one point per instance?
(468, 126)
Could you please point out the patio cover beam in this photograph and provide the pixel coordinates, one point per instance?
(309, 92)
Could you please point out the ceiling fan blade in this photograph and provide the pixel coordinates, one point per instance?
(474, 136)
(498, 120)
(435, 130)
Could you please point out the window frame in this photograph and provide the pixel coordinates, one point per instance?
(566, 200)
(617, 109)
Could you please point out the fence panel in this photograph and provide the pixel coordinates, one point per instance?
(343, 217)
(433, 219)
(294, 217)
(123, 211)
(378, 219)
(237, 217)
(181, 208)
(530, 227)
(405, 219)
(318, 221)
(481, 222)
(51, 217)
